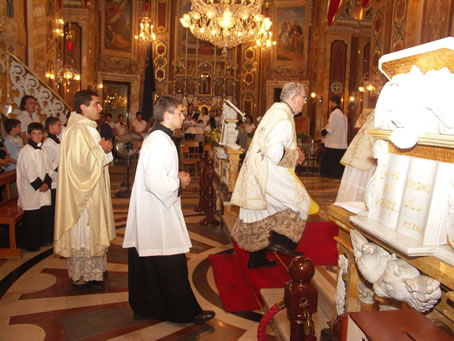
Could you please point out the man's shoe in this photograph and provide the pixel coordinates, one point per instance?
(79, 284)
(97, 285)
(203, 316)
(139, 317)
(267, 263)
(285, 250)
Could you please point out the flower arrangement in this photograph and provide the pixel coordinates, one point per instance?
(213, 136)
(303, 136)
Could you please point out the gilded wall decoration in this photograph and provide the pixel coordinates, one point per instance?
(377, 39)
(436, 17)
(249, 66)
(161, 16)
(160, 61)
(399, 22)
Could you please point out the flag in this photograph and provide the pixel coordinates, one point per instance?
(149, 86)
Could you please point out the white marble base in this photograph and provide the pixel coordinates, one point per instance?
(280, 324)
(404, 244)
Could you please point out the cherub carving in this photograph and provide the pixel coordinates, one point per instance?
(366, 295)
(403, 282)
(370, 258)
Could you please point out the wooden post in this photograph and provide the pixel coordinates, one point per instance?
(300, 298)
(210, 197)
(202, 206)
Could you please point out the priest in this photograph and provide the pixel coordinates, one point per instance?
(84, 222)
(273, 202)
(156, 235)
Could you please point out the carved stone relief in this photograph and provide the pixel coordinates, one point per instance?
(391, 277)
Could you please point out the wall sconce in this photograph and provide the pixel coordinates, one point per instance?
(58, 31)
(370, 87)
(352, 99)
(315, 97)
(361, 89)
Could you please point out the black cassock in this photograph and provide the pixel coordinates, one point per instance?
(159, 287)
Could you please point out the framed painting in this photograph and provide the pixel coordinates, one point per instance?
(116, 98)
(291, 29)
(117, 29)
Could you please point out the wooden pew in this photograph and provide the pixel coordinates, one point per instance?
(10, 214)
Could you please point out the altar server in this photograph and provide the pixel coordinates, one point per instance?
(335, 134)
(156, 233)
(33, 184)
(51, 147)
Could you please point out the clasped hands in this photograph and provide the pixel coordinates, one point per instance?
(185, 179)
(301, 157)
(106, 145)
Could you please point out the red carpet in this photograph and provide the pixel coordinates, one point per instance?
(239, 286)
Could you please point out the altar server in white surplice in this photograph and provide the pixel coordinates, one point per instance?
(273, 202)
(156, 233)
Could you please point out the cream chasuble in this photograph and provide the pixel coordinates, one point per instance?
(83, 185)
(253, 188)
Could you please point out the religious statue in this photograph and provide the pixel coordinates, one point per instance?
(403, 282)
(229, 132)
(370, 258)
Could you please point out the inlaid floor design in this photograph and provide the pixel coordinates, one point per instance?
(37, 301)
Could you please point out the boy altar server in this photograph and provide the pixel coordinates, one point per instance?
(156, 233)
(33, 186)
(51, 146)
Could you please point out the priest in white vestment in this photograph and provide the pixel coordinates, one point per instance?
(84, 222)
(156, 234)
(273, 202)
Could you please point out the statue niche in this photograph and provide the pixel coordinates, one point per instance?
(205, 84)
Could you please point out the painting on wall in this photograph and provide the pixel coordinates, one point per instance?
(117, 32)
(291, 32)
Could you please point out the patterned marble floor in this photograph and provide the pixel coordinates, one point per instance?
(37, 301)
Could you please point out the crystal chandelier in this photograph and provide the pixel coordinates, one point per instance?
(146, 34)
(264, 38)
(225, 23)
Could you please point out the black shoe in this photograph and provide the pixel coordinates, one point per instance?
(47, 244)
(34, 249)
(139, 317)
(203, 316)
(266, 262)
(285, 250)
(97, 285)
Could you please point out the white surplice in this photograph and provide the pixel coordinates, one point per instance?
(155, 224)
(32, 164)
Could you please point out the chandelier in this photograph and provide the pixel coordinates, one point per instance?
(146, 34)
(264, 38)
(225, 23)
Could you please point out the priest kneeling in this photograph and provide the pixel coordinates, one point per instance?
(273, 202)
(156, 233)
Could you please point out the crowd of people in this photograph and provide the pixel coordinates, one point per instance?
(63, 187)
